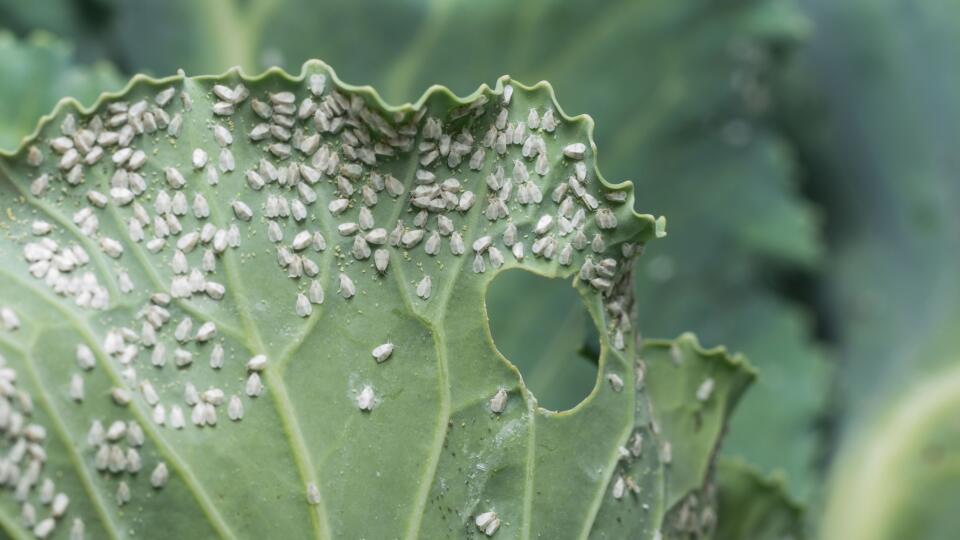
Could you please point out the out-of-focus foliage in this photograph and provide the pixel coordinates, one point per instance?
(560, 365)
(753, 507)
(881, 79)
(34, 75)
(680, 94)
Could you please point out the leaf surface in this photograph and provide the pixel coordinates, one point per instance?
(684, 88)
(178, 249)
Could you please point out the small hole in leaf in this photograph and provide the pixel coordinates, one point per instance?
(542, 326)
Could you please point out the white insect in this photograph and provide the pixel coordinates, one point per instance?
(149, 393)
(496, 258)
(213, 396)
(315, 292)
(59, 505)
(159, 414)
(254, 386)
(190, 394)
(242, 211)
(488, 523)
(182, 358)
(177, 420)
(619, 486)
(197, 416)
(199, 158)
(123, 493)
(606, 219)
(121, 396)
(575, 150)
(44, 528)
(77, 529)
(303, 307)
(543, 224)
(615, 382)
(159, 476)
(481, 244)
(381, 353)
(235, 408)
(425, 287)
(222, 135)
(313, 494)
(76, 388)
(366, 399)
(705, 390)
(498, 403)
(347, 288)
(381, 259)
(479, 266)
(257, 363)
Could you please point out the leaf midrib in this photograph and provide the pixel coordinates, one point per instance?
(274, 379)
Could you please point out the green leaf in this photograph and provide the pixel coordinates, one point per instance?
(877, 135)
(755, 507)
(37, 73)
(685, 91)
(411, 446)
(692, 393)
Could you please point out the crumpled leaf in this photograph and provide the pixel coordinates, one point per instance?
(37, 73)
(877, 134)
(755, 507)
(160, 281)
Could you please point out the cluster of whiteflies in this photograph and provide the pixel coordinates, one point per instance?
(23, 462)
(328, 145)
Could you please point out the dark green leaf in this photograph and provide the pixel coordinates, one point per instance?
(753, 507)
(37, 73)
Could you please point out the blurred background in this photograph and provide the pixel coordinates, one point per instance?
(802, 151)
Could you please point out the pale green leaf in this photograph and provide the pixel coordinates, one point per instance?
(684, 91)
(692, 392)
(432, 454)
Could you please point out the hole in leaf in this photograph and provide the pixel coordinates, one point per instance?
(541, 325)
